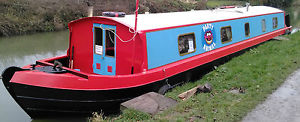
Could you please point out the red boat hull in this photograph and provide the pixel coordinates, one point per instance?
(44, 102)
(41, 93)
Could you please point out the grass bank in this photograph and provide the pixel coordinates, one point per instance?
(31, 16)
(259, 71)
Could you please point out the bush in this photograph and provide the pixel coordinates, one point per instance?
(30, 16)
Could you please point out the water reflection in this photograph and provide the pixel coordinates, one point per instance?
(74, 119)
(24, 50)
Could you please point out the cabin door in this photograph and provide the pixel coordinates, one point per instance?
(104, 49)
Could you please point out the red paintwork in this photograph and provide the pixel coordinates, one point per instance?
(158, 29)
(88, 81)
(109, 68)
(128, 55)
(136, 13)
(98, 66)
(82, 37)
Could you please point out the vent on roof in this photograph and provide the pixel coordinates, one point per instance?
(224, 7)
(113, 14)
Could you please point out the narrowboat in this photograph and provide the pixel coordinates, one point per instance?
(114, 59)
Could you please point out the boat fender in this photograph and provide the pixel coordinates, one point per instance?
(114, 14)
(164, 89)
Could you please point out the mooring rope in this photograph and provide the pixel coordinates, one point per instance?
(135, 33)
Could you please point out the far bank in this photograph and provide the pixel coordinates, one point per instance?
(20, 17)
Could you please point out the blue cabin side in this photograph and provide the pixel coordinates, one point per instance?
(163, 45)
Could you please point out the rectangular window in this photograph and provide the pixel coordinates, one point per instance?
(264, 27)
(98, 34)
(110, 42)
(186, 44)
(275, 22)
(247, 30)
(226, 34)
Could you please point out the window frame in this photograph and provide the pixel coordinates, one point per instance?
(276, 22)
(249, 32)
(95, 34)
(229, 40)
(263, 25)
(194, 40)
(110, 29)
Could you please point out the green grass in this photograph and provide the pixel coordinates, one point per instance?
(259, 70)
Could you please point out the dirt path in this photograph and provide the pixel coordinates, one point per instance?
(281, 106)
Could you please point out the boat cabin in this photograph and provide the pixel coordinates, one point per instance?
(108, 62)
(110, 46)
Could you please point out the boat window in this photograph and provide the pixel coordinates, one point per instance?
(110, 42)
(263, 23)
(226, 34)
(275, 22)
(186, 44)
(247, 30)
(98, 34)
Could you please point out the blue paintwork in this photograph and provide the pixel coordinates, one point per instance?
(103, 60)
(162, 46)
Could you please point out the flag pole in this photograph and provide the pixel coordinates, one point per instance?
(135, 32)
(136, 14)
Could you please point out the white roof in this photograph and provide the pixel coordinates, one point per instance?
(161, 20)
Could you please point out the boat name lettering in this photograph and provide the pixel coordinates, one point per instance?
(208, 35)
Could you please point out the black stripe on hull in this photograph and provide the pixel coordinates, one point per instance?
(44, 102)
(41, 102)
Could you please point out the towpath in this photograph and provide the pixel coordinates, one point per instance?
(283, 105)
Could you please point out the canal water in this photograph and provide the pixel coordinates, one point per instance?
(23, 50)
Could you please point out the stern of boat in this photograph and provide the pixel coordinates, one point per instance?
(29, 88)
(40, 102)
(7, 74)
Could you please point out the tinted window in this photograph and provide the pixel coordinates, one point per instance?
(109, 42)
(98, 35)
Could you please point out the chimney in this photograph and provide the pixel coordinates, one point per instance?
(90, 11)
